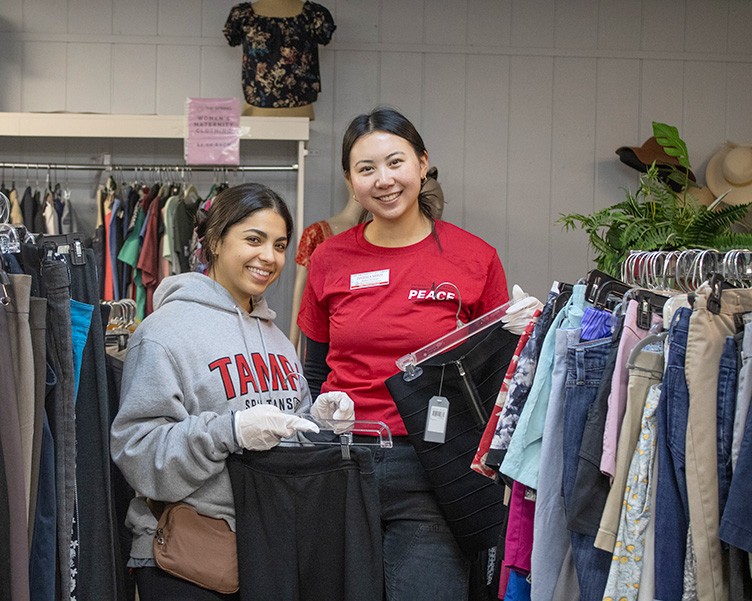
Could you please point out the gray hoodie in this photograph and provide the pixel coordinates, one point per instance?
(193, 362)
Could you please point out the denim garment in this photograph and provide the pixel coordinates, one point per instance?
(628, 560)
(671, 508)
(523, 456)
(551, 545)
(585, 366)
(519, 387)
(727, 379)
(735, 527)
(421, 557)
(744, 393)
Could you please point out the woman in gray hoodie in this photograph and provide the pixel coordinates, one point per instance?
(207, 374)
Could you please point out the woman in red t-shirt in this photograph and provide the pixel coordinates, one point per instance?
(375, 293)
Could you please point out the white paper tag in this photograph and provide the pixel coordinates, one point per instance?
(436, 420)
(369, 279)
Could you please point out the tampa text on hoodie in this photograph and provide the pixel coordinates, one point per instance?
(193, 362)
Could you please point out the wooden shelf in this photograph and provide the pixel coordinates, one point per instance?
(94, 125)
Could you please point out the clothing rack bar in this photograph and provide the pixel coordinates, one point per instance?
(150, 168)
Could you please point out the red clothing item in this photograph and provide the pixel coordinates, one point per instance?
(374, 304)
(148, 259)
(311, 237)
(109, 288)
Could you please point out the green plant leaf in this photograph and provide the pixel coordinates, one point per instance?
(668, 137)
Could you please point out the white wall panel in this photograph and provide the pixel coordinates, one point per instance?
(88, 76)
(576, 24)
(43, 87)
(134, 17)
(619, 25)
(401, 22)
(442, 127)
(90, 16)
(739, 27)
(446, 22)
(704, 126)
(572, 162)
(214, 16)
(663, 25)
(356, 20)
(662, 90)
(489, 22)
(486, 151)
(177, 77)
(179, 17)
(617, 124)
(11, 15)
(356, 88)
(220, 73)
(738, 93)
(45, 16)
(707, 26)
(134, 79)
(529, 189)
(10, 75)
(533, 23)
(401, 82)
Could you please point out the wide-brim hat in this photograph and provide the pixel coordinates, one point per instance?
(730, 170)
(642, 157)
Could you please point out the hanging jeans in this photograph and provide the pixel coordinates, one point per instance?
(586, 363)
(307, 524)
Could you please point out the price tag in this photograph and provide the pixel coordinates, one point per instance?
(436, 420)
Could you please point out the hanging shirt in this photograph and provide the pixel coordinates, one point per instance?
(280, 54)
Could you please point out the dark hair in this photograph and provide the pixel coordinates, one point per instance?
(389, 121)
(232, 206)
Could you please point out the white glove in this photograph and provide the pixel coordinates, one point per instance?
(523, 307)
(262, 427)
(335, 405)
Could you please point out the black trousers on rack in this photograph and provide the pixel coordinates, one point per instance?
(308, 524)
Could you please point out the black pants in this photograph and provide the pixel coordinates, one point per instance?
(308, 525)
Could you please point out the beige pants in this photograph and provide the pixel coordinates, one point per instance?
(707, 335)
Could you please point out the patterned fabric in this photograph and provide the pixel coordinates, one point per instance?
(280, 54)
(479, 461)
(311, 237)
(627, 561)
(522, 380)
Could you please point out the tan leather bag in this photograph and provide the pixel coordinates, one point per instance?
(195, 547)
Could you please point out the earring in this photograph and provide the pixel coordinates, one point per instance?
(355, 198)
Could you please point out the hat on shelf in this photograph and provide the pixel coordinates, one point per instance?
(730, 170)
(650, 152)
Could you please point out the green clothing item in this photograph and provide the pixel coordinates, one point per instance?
(129, 253)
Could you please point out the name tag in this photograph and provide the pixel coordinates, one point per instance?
(369, 279)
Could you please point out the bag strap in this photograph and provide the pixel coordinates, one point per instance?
(156, 507)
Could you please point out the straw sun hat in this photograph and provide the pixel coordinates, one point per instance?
(730, 170)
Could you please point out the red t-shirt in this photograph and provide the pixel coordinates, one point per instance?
(373, 305)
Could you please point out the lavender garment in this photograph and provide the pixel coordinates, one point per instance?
(521, 382)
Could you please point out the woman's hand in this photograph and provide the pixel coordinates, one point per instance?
(335, 405)
(262, 427)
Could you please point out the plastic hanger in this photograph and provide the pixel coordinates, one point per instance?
(379, 430)
(409, 363)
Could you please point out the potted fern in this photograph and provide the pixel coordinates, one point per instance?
(656, 217)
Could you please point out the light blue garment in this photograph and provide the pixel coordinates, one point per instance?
(551, 543)
(80, 323)
(522, 460)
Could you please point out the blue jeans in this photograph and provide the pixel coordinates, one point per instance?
(671, 506)
(421, 558)
(585, 365)
(727, 375)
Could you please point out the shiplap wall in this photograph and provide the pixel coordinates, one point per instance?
(522, 103)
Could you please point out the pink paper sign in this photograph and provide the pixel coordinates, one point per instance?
(213, 131)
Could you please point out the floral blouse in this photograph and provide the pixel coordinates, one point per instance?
(311, 237)
(280, 54)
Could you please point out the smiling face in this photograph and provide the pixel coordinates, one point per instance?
(385, 175)
(251, 255)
